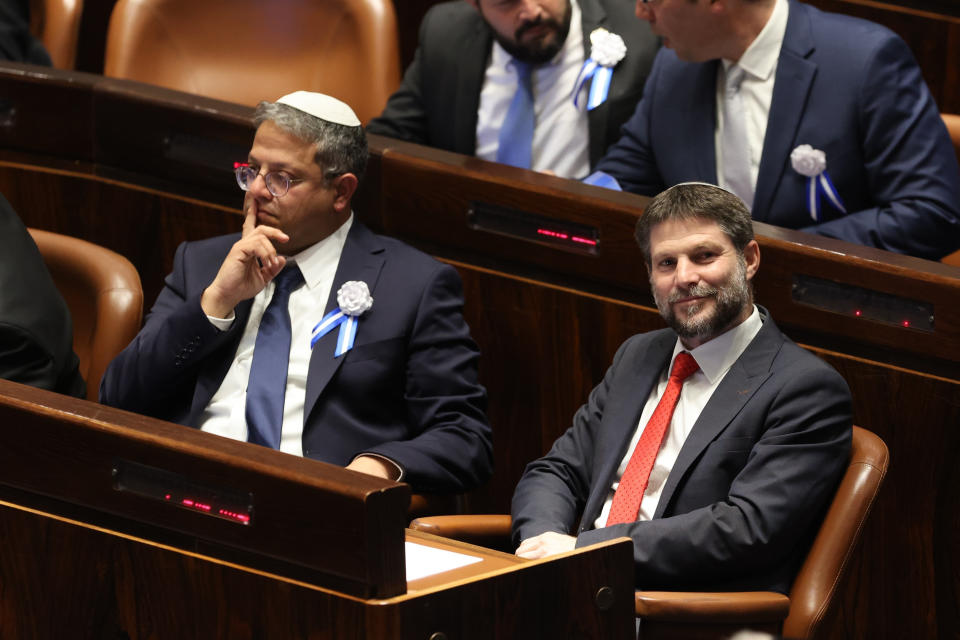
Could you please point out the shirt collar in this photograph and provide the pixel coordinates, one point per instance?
(716, 356)
(316, 260)
(761, 57)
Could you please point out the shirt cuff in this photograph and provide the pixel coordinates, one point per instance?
(222, 324)
(601, 179)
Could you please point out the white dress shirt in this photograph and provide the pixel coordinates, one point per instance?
(759, 63)
(715, 358)
(226, 413)
(561, 138)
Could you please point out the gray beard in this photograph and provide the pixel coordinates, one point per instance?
(731, 299)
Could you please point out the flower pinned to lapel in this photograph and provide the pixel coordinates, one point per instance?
(808, 161)
(354, 299)
(812, 163)
(606, 51)
(606, 48)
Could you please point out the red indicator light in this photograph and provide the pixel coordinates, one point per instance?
(858, 313)
(906, 323)
(188, 502)
(592, 243)
(167, 497)
(237, 165)
(553, 234)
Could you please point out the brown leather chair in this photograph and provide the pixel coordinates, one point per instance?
(678, 615)
(102, 290)
(246, 51)
(953, 128)
(57, 24)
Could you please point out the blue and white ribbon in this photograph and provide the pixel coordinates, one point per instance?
(606, 51)
(599, 88)
(818, 186)
(334, 319)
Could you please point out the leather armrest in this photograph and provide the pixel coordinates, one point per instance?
(491, 531)
(705, 607)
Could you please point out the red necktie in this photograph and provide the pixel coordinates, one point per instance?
(626, 500)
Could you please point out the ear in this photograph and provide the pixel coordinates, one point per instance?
(751, 255)
(345, 186)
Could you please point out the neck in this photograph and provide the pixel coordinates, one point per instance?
(747, 21)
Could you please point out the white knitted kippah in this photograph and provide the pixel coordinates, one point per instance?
(321, 106)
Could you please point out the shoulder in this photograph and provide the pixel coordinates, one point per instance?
(842, 38)
(448, 19)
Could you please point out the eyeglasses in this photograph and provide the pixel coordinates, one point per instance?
(278, 183)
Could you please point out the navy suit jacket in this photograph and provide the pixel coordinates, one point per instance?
(437, 102)
(407, 390)
(843, 85)
(749, 487)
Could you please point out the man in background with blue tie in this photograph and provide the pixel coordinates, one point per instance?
(308, 333)
(539, 84)
(818, 121)
(716, 444)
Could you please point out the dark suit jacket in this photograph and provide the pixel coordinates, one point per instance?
(407, 390)
(36, 332)
(438, 101)
(748, 489)
(843, 85)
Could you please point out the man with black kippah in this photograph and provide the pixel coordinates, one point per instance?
(308, 333)
(715, 444)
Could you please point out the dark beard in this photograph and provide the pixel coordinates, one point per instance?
(731, 298)
(537, 52)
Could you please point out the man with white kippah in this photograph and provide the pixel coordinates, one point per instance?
(715, 444)
(476, 58)
(308, 333)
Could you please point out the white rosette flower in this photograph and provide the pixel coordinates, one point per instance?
(606, 48)
(354, 298)
(808, 161)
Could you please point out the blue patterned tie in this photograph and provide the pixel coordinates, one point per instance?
(271, 359)
(735, 149)
(516, 134)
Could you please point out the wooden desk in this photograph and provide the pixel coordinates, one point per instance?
(322, 556)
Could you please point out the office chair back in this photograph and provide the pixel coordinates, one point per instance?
(102, 290)
(246, 51)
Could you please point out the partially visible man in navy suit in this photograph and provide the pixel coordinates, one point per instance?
(390, 389)
(715, 444)
(820, 122)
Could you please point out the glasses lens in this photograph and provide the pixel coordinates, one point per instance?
(245, 176)
(277, 183)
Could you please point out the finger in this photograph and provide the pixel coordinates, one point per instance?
(249, 215)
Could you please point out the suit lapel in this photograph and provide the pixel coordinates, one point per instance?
(743, 379)
(701, 123)
(362, 259)
(592, 16)
(795, 74)
(473, 59)
(622, 415)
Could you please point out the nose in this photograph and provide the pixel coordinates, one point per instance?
(687, 273)
(529, 11)
(258, 188)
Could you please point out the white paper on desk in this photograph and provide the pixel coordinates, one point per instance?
(423, 561)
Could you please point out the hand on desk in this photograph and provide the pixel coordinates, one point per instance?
(546, 544)
(374, 467)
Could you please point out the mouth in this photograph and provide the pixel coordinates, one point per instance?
(535, 31)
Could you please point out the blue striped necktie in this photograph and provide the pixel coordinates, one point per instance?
(516, 133)
(267, 384)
